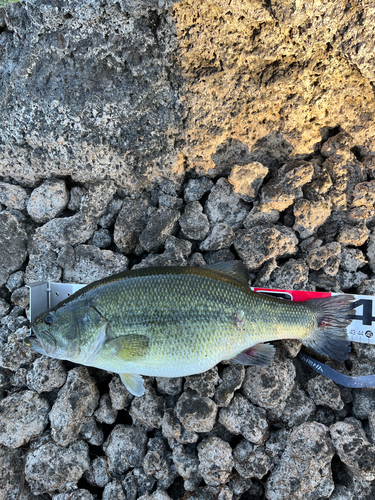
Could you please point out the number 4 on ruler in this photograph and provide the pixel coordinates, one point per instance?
(366, 317)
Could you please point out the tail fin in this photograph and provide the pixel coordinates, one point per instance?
(329, 336)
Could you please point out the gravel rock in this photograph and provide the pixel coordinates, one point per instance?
(50, 467)
(161, 224)
(353, 447)
(324, 391)
(120, 396)
(4, 307)
(299, 408)
(147, 410)
(113, 491)
(247, 180)
(349, 280)
(101, 238)
(96, 198)
(46, 374)
(14, 353)
(257, 217)
(93, 264)
(231, 380)
(270, 386)
(293, 275)
(363, 195)
(76, 195)
(67, 417)
(319, 257)
(310, 215)
(251, 461)
(221, 236)
(74, 495)
(367, 287)
(356, 236)
(258, 244)
(91, 433)
(241, 417)
(224, 205)
(193, 222)
(125, 448)
(158, 463)
(67, 230)
(170, 386)
(13, 196)
(130, 223)
(224, 255)
(20, 297)
(203, 384)
(23, 416)
(169, 201)
(105, 414)
(304, 471)
(48, 201)
(370, 251)
(352, 259)
(187, 466)
(97, 475)
(13, 240)
(215, 461)
(338, 144)
(197, 414)
(12, 481)
(15, 281)
(137, 483)
(280, 193)
(196, 188)
(108, 218)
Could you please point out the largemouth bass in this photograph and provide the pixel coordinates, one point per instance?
(178, 321)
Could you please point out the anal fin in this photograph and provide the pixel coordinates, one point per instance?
(133, 383)
(257, 355)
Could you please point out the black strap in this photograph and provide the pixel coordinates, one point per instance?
(339, 378)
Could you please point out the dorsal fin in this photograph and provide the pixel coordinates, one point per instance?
(234, 268)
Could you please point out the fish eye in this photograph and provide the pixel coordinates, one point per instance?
(48, 320)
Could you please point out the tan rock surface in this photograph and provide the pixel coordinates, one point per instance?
(253, 68)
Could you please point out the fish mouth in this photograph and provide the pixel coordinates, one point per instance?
(39, 343)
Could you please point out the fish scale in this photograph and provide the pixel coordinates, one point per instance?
(176, 321)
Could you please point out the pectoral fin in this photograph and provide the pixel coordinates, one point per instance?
(133, 383)
(257, 355)
(128, 347)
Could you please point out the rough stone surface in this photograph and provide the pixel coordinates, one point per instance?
(48, 201)
(13, 196)
(231, 380)
(270, 386)
(215, 461)
(325, 392)
(193, 222)
(12, 245)
(241, 417)
(66, 416)
(259, 244)
(161, 224)
(196, 188)
(204, 383)
(224, 205)
(247, 179)
(46, 374)
(50, 467)
(91, 264)
(120, 396)
(353, 447)
(251, 461)
(148, 409)
(125, 448)
(105, 414)
(91, 433)
(197, 414)
(309, 216)
(23, 416)
(130, 223)
(187, 465)
(101, 238)
(304, 470)
(221, 236)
